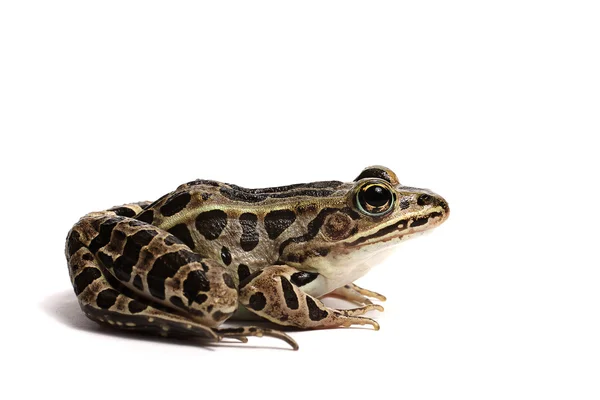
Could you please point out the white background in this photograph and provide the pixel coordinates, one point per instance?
(494, 105)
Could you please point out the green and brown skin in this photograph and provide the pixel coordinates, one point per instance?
(182, 265)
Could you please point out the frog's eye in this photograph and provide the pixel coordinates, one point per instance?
(375, 199)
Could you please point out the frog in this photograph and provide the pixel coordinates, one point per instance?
(208, 251)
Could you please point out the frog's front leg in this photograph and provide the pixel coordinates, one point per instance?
(272, 294)
(356, 294)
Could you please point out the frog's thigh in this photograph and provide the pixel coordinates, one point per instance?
(153, 264)
(103, 303)
(271, 294)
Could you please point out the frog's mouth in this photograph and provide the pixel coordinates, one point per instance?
(403, 228)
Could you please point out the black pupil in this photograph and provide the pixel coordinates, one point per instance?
(376, 196)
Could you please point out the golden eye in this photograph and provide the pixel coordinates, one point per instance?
(375, 199)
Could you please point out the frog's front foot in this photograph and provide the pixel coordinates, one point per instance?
(356, 294)
(270, 293)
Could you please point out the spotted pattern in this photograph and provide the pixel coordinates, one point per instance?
(291, 299)
(107, 298)
(175, 204)
(182, 232)
(243, 272)
(258, 301)
(123, 265)
(277, 221)
(167, 267)
(211, 223)
(85, 277)
(314, 312)
(249, 239)
(195, 283)
(147, 216)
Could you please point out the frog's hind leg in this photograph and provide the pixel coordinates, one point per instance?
(132, 275)
(103, 303)
(271, 294)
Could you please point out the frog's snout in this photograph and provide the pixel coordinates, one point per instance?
(434, 201)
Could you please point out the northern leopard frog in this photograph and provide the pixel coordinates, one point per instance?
(180, 266)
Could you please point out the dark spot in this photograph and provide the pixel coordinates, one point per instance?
(136, 306)
(210, 308)
(147, 216)
(201, 298)
(105, 259)
(277, 221)
(243, 272)
(87, 257)
(117, 239)
(257, 301)
(131, 253)
(166, 266)
(404, 203)
(219, 316)
(424, 199)
(419, 221)
(74, 243)
(123, 211)
(137, 283)
(211, 223)
(181, 232)
(228, 280)
(85, 277)
(303, 278)
(314, 312)
(195, 283)
(175, 203)
(107, 298)
(249, 279)
(252, 329)
(249, 239)
(195, 312)
(104, 234)
(312, 229)
(170, 240)
(225, 255)
(291, 299)
(176, 301)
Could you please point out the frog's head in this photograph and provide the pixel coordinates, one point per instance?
(363, 218)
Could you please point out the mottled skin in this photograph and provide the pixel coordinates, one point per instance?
(182, 265)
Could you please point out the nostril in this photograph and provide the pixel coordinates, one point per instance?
(424, 199)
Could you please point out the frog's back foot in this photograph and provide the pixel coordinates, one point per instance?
(244, 331)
